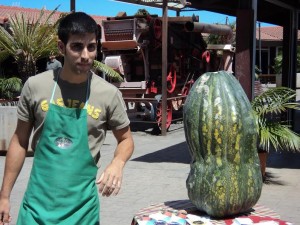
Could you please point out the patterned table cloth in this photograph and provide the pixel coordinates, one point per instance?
(186, 205)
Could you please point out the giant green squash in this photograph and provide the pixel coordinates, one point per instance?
(221, 133)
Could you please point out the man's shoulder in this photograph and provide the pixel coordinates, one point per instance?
(43, 77)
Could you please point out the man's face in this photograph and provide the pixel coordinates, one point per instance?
(79, 53)
(51, 57)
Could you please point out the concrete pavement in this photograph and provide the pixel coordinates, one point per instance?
(157, 172)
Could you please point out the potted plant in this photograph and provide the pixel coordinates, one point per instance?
(10, 88)
(272, 131)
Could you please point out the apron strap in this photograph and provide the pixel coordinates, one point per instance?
(87, 90)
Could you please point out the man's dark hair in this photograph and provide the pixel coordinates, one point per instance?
(76, 23)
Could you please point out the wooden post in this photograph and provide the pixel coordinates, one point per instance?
(289, 61)
(246, 45)
(164, 67)
(72, 5)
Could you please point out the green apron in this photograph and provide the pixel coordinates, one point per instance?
(61, 188)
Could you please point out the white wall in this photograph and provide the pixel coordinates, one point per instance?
(8, 123)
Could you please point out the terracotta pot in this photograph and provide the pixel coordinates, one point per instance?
(263, 155)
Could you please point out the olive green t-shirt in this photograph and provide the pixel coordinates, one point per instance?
(105, 108)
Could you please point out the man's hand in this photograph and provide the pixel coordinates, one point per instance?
(13, 164)
(111, 179)
(5, 218)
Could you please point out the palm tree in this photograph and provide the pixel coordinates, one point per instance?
(28, 41)
(33, 40)
(274, 133)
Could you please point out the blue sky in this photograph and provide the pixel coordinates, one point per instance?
(111, 8)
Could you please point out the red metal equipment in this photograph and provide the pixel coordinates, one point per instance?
(132, 46)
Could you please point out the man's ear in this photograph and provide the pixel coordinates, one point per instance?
(61, 47)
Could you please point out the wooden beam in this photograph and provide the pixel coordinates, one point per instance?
(289, 61)
(72, 5)
(164, 67)
(243, 50)
(246, 46)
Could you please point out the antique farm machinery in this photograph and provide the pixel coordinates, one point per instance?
(132, 45)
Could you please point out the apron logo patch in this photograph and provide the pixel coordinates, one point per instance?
(63, 142)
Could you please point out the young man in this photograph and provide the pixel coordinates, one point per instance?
(70, 110)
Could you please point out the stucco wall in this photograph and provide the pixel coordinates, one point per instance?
(8, 123)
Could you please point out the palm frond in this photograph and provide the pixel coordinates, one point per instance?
(278, 136)
(4, 55)
(107, 70)
(6, 41)
(267, 139)
(45, 34)
(275, 133)
(275, 100)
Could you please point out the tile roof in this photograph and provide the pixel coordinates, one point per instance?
(272, 33)
(30, 13)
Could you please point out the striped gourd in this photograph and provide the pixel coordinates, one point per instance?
(221, 133)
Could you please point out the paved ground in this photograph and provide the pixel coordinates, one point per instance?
(157, 172)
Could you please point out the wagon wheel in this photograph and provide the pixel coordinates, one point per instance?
(171, 79)
(159, 113)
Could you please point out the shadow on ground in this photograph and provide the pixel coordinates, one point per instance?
(270, 178)
(281, 160)
(140, 126)
(152, 128)
(175, 154)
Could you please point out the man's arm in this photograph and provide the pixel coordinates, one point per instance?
(111, 179)
(14, 161)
